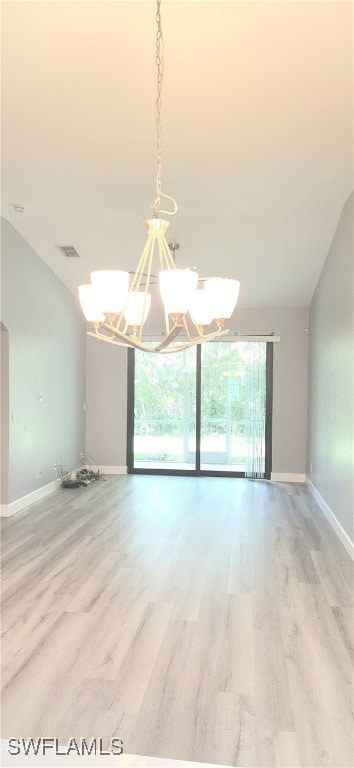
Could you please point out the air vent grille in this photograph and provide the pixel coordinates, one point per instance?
(69, 251)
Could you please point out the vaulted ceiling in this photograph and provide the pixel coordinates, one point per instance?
(257, 135)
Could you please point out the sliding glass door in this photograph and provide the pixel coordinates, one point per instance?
(206, 410)
(165, 411)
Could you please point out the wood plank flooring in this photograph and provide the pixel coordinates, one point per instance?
(205, 619)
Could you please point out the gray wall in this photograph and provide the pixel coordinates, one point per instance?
(106, 403)
(289, 380)
(46, 355)
(106, 389)
(331, 359)
(4, 416)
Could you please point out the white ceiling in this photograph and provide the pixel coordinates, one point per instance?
(257, 135)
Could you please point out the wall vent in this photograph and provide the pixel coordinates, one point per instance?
(69, 251)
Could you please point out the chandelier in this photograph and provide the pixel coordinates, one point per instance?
(117, 312)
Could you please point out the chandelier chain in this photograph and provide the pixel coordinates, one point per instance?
(159, 59)
(159, 65)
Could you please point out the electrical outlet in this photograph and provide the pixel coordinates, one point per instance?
(82, 455)
(38, 474)
(55, 465)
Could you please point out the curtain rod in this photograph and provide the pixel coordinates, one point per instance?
(230, 337)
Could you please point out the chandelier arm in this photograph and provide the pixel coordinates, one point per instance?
(144, 348)
(146, 291)
(120, 319)
(168, 261)
(169, 338)
(201, 336)
(138, 275)
(174, 349)
(210, 336)
(161, 253)
(162, 347)
(134, 341)
(186, 327)
(100, 337)
(171, 264)
(167, 324)
(105, 336)
(110, 327)
(147, 250)
(162, 259)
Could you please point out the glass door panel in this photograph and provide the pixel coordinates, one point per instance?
(227, 405)
(165, 411)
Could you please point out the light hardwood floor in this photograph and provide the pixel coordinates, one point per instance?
(205, 619)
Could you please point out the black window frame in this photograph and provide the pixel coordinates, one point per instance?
(197, 471)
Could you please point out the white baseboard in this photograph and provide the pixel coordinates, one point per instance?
(7, 510)
(107, 469)
(288, 477)
(334, 522)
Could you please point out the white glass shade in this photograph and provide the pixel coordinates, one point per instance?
(89, 304)
(223, 295)
(111, 286)
(177, 286)
(137, 308)
(200, 309)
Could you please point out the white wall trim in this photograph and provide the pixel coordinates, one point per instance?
(24, 501)
(6, 510)
(334, 522)
(288, 477)
(107, 469)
